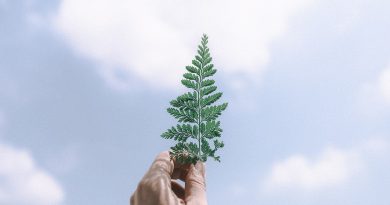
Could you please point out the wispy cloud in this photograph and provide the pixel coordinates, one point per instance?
(384, 84)
(331, 168)
(154, 40)
(374, 96)
(23, 182)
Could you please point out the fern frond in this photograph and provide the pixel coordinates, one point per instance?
(195, 109)
(213, 112)
(189, 84)
(197, 64)
(212, 129)
(207, 82)
(181, 133)
(207, 90)
(192, 69)
(210, 99)
(190, 76)
(182, 115)
(209, 73)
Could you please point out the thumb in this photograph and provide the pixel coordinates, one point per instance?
(195, 187)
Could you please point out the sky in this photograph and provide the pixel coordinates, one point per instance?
(84, 87)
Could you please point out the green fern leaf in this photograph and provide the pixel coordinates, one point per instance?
(213, 112)
(198, 136)
(192, 69)
(209, 73)
(210, 99)
(188, 84)
(207, 83)
(197, 64)
(190, 76)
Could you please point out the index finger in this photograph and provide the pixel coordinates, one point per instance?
(170, 168)
(162, 165)
(155, 186)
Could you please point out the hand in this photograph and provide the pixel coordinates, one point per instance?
(158, 186)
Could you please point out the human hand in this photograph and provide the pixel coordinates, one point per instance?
(158, 186)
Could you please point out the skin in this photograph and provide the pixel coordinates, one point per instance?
(159, 187)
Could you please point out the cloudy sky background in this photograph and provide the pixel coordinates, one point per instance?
(84, 86)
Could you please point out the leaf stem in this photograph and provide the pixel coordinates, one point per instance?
(199, 111)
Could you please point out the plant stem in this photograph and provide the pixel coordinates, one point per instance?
(199, 110)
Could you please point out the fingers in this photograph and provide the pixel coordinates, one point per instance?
(178, 190)
(180, 171)
(195, 189)
(162, 165)
(155, 186)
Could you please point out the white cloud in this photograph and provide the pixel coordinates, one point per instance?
(375, 146)
(384, 84)
(22, 182)
(333, 167)
(374, 97)
(154, 40)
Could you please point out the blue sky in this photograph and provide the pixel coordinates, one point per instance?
(84, 87)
